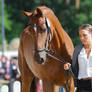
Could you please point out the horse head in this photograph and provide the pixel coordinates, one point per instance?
(40, 26)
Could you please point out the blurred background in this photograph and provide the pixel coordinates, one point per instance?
(71, 14)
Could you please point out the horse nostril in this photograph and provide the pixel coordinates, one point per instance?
(41, 60)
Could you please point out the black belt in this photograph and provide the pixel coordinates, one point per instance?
(85, 83)
(89, 78)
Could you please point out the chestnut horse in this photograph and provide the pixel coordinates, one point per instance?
(44, 32)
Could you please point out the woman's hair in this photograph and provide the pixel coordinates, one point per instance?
(86, 27)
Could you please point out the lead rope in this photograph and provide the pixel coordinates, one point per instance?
(67, 75)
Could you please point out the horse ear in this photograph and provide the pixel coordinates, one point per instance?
(27, 14)
(39, 11)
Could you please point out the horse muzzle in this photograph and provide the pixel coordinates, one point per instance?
(40, 57)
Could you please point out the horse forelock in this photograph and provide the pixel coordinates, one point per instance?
(45, 10)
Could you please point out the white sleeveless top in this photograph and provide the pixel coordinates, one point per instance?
(85, 64)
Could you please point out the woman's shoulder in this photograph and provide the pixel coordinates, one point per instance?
(78, 46)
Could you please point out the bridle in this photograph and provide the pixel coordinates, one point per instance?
(47, 42)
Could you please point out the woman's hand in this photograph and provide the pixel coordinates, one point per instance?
(67, 66)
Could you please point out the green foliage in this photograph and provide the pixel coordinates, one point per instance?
(70, 17)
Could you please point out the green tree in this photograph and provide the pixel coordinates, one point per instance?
(70, 17)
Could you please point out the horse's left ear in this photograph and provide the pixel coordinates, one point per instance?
(27, 14)
(39, 11)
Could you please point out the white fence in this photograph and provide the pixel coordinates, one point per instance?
(16, 87)
(10, 54)
(5, 88)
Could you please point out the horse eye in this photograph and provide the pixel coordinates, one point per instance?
(44, 29)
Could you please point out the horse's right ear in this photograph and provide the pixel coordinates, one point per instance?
(27, 14)
(39, 11)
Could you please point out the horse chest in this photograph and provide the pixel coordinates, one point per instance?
(47, 71)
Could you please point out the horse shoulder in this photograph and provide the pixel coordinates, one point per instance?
(23, 37)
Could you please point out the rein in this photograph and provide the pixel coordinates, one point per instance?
(58, 58)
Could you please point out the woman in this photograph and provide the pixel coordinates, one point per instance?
(82, 60)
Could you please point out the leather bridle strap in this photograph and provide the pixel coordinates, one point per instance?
(40, 50)
(47, 42)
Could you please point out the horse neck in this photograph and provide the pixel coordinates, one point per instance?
(58, 41)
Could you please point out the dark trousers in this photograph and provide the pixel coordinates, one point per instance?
(84, 86)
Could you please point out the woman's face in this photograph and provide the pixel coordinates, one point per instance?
(85, 37)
